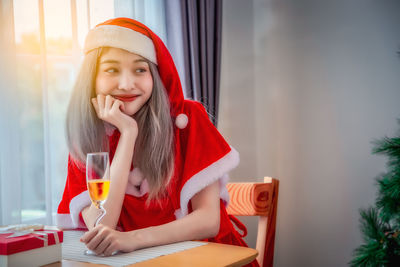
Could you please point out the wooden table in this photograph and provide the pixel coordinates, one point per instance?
(212, 254)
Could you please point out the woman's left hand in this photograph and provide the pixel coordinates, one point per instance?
(105, 240)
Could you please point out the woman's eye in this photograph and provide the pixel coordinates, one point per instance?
(111, 70)
(140, 70)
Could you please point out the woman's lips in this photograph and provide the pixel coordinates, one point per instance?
(126, 98)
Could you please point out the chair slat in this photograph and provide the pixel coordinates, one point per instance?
(249, 199)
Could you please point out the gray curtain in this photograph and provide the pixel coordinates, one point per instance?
(194, 39)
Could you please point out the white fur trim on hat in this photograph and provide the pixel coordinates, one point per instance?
(181, 121)
(121, 37)
(215, 172)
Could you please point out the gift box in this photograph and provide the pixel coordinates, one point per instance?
(39, 247)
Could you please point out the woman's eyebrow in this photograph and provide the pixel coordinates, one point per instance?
(109, 61)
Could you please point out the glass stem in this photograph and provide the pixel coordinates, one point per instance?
(103, 213)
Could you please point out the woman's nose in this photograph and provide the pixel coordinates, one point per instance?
(126, 81)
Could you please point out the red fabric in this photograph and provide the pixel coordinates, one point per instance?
(14, 245)
(198, 147)
(75, 184)
(239, 225)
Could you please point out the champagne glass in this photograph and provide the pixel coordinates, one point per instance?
(98, 182)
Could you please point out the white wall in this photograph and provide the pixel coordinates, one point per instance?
(306, 86)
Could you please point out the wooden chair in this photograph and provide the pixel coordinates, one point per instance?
(258, 199)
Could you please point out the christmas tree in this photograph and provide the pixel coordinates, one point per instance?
(380, 225)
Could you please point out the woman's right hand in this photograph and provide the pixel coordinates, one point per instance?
(111, 110)
(104, 240)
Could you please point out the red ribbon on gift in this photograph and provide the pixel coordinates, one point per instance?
(42, 235)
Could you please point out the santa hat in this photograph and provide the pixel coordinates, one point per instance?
(135, 37)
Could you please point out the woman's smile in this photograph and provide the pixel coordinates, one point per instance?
(126, 98)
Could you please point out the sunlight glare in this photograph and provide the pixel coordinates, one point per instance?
(57, 18)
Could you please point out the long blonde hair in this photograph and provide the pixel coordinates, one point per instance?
(154, 149)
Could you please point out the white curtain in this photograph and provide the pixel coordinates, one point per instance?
(40, 51)
(10, 182)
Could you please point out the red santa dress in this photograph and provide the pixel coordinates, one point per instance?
(202, 156)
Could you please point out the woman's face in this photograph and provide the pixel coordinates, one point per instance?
(126, 77)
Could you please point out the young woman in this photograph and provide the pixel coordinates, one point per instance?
(169, 164)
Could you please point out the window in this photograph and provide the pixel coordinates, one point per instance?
(48, 40)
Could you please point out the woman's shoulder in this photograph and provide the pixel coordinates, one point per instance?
(198, 126)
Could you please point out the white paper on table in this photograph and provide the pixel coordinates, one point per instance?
(73, 249)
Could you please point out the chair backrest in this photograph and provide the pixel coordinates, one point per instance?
(258, 199)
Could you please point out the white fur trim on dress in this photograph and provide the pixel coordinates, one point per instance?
(216, 171)
(77, 204)
(64, 221)
(121, 37)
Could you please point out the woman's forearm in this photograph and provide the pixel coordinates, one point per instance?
(119, 172)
